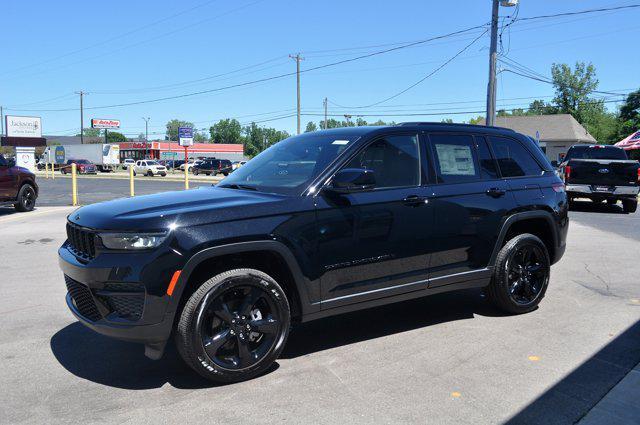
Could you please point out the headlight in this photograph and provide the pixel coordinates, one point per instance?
(132, 241)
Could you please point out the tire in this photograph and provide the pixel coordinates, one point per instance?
(26, 198)
(134, 174)
(523, 295)
(629, 206)
(219, 312)
(63, 171)
(196, 172)
(163, 174)
(225, 174)
(150, 173)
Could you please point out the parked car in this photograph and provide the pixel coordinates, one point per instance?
(173, 164)
(189, 164)
(237, 164)
(83, 166)
(319, 224)
(601, 173)
(128, 163)
(149, 167)
(213, 167)
(18, 186)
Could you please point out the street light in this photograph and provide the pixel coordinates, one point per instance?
(493, 55)
(146, 136)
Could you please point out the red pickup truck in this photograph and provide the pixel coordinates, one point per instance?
(17, 186)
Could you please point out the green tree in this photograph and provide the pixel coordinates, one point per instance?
(115, 137)
(91, 132)
(226, 131)
(172, 129)
(629, 118)
(311, 126)
(540, 107)
(479, 120)
(573, 88)
(200, 137)
(447, 121)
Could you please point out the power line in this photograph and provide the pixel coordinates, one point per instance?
(271, 78)
(582, 12)
(448, 61)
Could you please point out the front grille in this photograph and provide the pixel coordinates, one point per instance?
(82, 299)
(81, 241)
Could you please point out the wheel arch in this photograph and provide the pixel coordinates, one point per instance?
(539, 223)
(271, 257)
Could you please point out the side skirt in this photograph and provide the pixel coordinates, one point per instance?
(467, 280)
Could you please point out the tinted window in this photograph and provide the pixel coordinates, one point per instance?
(3, 162)
(595, 152)
(514, 159)
(455, 158)
(394, 160)
(488, 169)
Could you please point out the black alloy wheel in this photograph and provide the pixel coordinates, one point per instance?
(26, 198)
(527, 274)
(234, 326)
(520, 275)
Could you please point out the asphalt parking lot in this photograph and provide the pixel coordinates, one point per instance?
(449, 358)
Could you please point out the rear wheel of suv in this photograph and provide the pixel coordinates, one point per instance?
(234, 326)
(26, 198)
(521, 275)
(629, 205)
(150, 173)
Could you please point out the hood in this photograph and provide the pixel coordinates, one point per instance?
(181, 208)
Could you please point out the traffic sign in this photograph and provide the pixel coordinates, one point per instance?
(185, 136)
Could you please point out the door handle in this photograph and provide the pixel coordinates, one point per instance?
(415, 200)
(496, 192)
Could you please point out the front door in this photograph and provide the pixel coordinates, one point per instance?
(6, 180)
(470, 202)
(374, 244)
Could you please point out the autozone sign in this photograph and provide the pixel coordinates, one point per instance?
(104, 123)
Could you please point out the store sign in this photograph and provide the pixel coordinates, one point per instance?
(185, 136)
(104, 123)
(23, 126)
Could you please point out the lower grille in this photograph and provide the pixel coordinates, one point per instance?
(82, 299)
(126, 300)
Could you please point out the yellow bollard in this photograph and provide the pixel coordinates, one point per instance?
(74, 185)
(53, 171)
(186, 176)
(46, 170)
(131, 191)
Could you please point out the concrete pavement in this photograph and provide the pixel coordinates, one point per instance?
(448, 358)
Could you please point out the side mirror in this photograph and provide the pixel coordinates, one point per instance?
(351, 180)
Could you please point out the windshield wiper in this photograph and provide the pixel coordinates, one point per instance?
(238, 186)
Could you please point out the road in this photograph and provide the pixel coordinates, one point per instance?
(448, 358)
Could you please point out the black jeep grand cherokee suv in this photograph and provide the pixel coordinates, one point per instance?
(319, 224)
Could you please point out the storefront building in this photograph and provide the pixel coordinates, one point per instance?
(172, 150)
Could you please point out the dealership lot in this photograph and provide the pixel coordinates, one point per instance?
(445, 359)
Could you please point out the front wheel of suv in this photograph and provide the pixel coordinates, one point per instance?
(521, 275)
(234, 326)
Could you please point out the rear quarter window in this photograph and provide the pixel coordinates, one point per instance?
(514, 160)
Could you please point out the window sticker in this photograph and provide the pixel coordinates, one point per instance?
(455, 160)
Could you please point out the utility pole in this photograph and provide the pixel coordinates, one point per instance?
(1, 122)
(297, 58)
(81, 93)
(146, 135)
(493, 55)
(325, 112)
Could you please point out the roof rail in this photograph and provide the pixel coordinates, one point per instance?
(453, 125)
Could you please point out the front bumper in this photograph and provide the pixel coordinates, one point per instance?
(117, 299)
(616, 191)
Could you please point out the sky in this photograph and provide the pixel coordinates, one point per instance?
(141, 52)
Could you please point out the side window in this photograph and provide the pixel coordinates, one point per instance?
(514, 159)
(3, 162)
(395, 161)
(455, 158)
(488, 168)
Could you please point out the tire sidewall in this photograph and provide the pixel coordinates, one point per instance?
(20, 204)
(213, 288)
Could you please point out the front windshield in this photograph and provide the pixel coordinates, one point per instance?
(82, 161)
(289, 166)
(152, 163)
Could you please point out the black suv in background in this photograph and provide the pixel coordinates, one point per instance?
(319, 224)
(213, 167)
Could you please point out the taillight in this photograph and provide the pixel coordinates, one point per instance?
(567, 173)
(639, 175)
(558, 187)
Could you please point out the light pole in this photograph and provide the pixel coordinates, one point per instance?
(493, 55)
(146, 135)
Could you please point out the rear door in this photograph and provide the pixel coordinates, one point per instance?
(471, 202)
